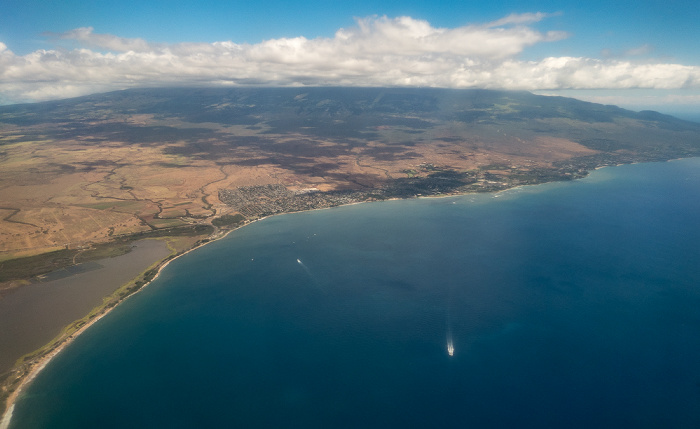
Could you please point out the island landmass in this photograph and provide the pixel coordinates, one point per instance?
(81, 179)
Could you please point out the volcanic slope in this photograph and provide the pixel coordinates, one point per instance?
(87, 170)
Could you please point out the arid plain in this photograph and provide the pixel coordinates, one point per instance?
(81, 171)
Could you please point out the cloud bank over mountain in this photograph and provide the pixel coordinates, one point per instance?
(377, 51)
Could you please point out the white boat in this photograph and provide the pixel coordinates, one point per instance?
(299, 261)
(450, 348)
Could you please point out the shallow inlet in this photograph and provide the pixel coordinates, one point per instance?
(33, 315)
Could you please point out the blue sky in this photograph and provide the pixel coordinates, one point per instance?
(635, 53)
(669, 26)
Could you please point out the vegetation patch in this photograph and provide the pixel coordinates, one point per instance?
(229, 220)
(31, 266)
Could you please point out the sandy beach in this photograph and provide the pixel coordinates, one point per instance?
(114, 273)
(158, 259)
(35, 314)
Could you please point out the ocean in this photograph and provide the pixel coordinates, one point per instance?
(571, 304)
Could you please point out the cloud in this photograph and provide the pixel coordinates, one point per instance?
(406, 36)
(377, 51)
(673, 101)
(639, 50)
(520, 18)
(632, 52)
(86, 36)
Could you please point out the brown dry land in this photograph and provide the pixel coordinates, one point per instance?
(89, 170)
(85, 171)
(50, 200)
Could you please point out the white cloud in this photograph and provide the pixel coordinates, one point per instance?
(86, 36)
(378, 51)
(639, 50)
(659, 99)
(642, 50)
(519, 18)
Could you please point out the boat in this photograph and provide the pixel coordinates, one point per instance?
(450, 348)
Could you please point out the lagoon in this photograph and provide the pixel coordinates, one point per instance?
(33, 315)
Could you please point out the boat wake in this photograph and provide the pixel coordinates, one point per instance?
(308, 272)
(450, 342)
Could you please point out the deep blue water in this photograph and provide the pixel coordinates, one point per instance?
(570, 305)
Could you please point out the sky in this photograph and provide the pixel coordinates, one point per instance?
(637, 54)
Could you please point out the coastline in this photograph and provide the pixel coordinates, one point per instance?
(36, 313)
(64, 339)
(38, 366)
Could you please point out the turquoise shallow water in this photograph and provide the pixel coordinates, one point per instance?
(569, 304)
